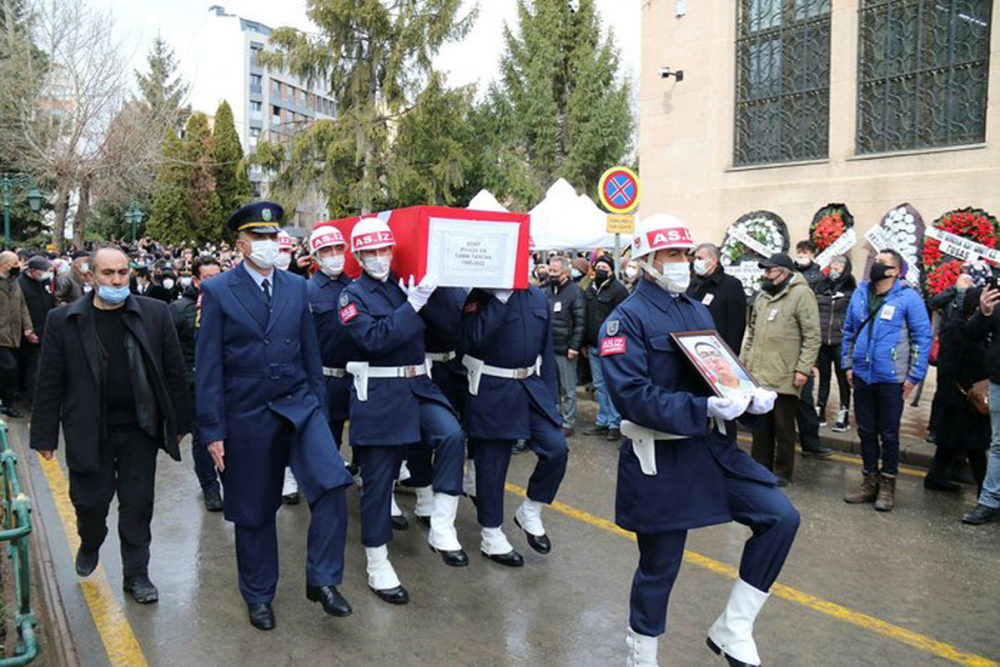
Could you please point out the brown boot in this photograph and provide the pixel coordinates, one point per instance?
(866, 491)
(886, 494)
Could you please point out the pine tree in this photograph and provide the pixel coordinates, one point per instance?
(560, 109)
(204, 208)
(170, 220)
(162, 89)
(231, 181)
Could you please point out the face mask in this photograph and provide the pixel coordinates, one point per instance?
(601, 276)
(555, 281)
(701, 267)
(112, 295)
(332, 266)
(283, 261)
(168, 283)
(85, 267)
(835, 275)
(45, 277)
(264, 253)
(631, 272)
(377, 267)
(15, 271)
(543, 277)
(803, 260)
(675, 277)
(574, 274)
(878, 272)
(186, 282)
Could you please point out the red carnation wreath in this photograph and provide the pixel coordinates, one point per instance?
(940, 271)
(829, 224)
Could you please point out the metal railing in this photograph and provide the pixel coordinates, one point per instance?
(16, 531)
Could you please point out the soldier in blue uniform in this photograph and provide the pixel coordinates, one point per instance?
(261, 398)
(395, 406)
(512, 396)
(328, 248)
(677, 468)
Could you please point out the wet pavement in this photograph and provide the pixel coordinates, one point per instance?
(914, 587)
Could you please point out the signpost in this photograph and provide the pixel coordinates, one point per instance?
(619, 191)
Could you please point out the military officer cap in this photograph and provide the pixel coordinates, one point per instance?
(261, 217)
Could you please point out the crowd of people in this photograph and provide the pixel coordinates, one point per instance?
(265, 371)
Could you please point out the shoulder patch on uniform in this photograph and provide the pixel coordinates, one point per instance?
(344, 299)
(612, 346)
(612, 327)
(348, 313)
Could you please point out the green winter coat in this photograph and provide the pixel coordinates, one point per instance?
(783, 337)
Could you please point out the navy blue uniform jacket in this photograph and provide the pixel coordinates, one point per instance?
(335, 344)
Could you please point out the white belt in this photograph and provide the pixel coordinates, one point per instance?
(334, 372)
(478, 368)
(441, 357)
(362, 371)
(644, 443)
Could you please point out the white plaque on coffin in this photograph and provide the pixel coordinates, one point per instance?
(471, 253)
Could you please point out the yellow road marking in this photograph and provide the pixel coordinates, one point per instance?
(116, 634)
(864, 621)
(852, 460)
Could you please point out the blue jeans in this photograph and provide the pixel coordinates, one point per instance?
(991, 485)
(606, 413)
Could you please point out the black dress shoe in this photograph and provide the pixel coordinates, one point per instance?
(397, 595)
(86, 562)
(424, 521)
(936, 484)
(142, 589)
(400, 522)
(539, 543)
(614, 435)
(453, 558)
(333, 602)
(509, 559)
(981, 514)
(733, 662)
(12, 413)
(290, 498)
(596, 430)
(213, 500)
(261, 615)
(821, 453)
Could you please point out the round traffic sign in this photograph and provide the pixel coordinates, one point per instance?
(619, 190)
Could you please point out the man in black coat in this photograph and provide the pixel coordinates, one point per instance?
(184, 312)
(36, 285)
(112, 374)
(721, 293)
(568, 320)
(603, 296)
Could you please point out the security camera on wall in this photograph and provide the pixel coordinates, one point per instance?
(666, 73)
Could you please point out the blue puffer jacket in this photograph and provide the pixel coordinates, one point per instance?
(895, 345)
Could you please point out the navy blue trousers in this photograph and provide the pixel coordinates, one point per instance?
(257, 549)
(442, 447)
(493, 457)
(764, 509)
(878, 409)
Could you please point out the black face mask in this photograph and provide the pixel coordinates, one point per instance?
(543, 277)
(878, 271)
(601, 276)
(770, 286)
(555, 281)
(14, 272)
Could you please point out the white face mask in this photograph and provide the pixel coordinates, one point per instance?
(377, 267)
(701, 267)
(675, 277)
(803, 260)
(631, 272)
(283, 261)
(332, 266)
(264, 253)
(168, 283)
(186, 281)
(85, 267)
(45, 277)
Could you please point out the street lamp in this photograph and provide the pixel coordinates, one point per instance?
(7, 185)
(133, 216)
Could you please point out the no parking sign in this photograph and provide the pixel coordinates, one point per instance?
(619, 190)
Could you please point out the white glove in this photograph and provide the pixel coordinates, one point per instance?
(419, 295)
(727, 409)
(763, 401)
(502, 294)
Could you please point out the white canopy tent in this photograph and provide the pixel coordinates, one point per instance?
(485, 201)
(567, 221)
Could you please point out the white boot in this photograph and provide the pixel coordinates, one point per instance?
(425, 501)
(469, 478)
(529, 516)
(381, 576)
(495, 542)
(732, 632)
(641, 650)
(290, 487)
(443, 536)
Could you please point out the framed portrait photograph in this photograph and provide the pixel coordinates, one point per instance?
(716, 362)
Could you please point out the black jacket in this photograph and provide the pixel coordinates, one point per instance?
(68, 390)
(599, 304)
(38, 299)
(569, 316)
(981, 328)
(812, 273)
(184, 312)
(833, 297)
(728, 304)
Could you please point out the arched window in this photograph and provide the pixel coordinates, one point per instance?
(923, 67)
(782, 81)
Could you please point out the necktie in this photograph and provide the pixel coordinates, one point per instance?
(267, 293)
